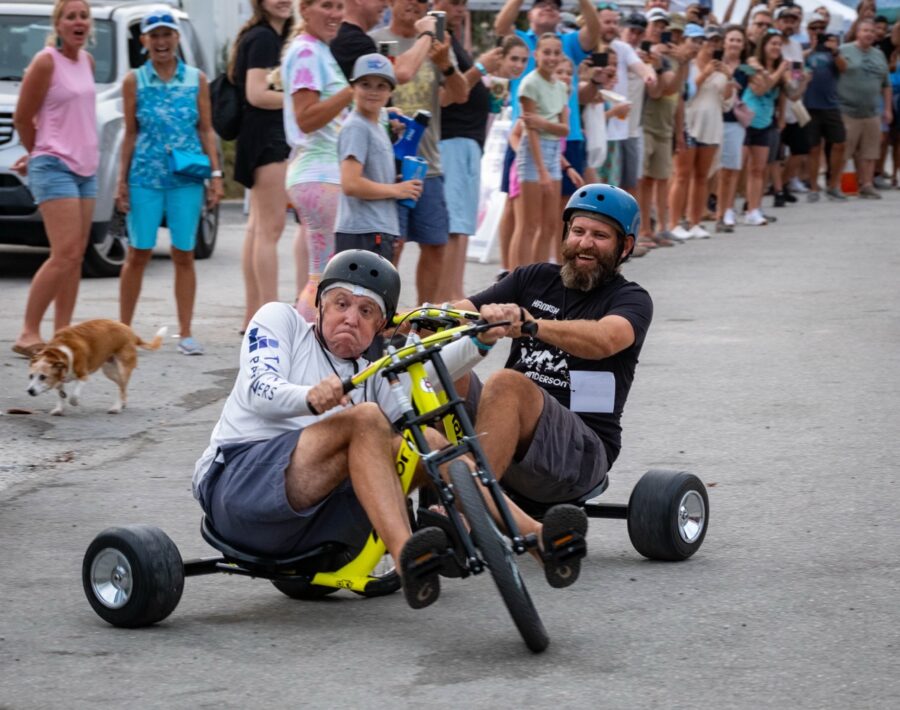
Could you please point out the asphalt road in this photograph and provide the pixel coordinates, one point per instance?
(771, 371)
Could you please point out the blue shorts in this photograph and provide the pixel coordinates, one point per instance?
(576, 154)
(426, 223)
(732, 145)
(49, 178)
(181, 207)
(508, 159)
(461, 162)
(245, 499)
(528, 168)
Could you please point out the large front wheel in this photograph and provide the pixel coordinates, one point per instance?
(499, 558)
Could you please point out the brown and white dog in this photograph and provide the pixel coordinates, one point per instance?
(79, 350)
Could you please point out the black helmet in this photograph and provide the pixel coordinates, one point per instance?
(366, 269)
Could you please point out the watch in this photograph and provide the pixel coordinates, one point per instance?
(216, 174)
(449, 71)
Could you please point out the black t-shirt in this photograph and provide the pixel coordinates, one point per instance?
(539, 289)
(349, 45)
(469, 119)
(260, 48)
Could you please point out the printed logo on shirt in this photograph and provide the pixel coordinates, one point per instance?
(541, 306)
(544, 365)
(261, 341)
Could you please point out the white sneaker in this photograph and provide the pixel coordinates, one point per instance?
(680, 234)
(755, 218)
(796, 185)
(698, 232)
(728, 218)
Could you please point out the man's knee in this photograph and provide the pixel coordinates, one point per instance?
(369, 417)
(509, 384)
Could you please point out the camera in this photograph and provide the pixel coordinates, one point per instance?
(646, 45)
(440, 20)
(666, 37)
(600, 59)
(718, 55)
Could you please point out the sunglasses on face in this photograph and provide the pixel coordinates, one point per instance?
(773, 31)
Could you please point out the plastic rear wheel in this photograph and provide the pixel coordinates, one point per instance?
(499, 558)
(668, 515)
(133, 576)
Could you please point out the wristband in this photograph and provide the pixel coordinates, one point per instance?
(480, 67)
(427, 33)
(483, 347)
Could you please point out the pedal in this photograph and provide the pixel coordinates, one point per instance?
(454, 560)
(568, 546)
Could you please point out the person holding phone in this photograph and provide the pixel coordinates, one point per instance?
(733, 132)
(765, 96)
(545, 113)
(708, 89)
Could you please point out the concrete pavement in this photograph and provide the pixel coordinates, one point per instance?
(771, 371)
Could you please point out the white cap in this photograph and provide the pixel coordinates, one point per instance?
(656, 14)
(816, 17)
(356, 290)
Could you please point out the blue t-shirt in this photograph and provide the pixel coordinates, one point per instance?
(572, 48)
(821, 94)
(763, 106)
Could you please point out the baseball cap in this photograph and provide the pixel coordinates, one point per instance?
(693, 31)
(657, 14)
(713, 31)
(374, 65)
(676, 21)
(787, 10)
(636, 21)
(558, 3)
(160, 17)
(816, 17)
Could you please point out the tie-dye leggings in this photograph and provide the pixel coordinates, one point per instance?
(317, 205)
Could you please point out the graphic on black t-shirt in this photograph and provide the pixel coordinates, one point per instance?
(544, 364)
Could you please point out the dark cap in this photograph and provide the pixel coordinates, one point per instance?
(558, 3)
(636, 21)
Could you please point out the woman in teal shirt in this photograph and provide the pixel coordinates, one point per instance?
(765, 97)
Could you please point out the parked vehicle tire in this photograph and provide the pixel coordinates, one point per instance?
(107, 248)
(207, 233)
(499, 558)
(668, 515)
(133, 576)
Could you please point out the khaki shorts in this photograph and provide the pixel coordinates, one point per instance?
(657, 157)
(863, 137)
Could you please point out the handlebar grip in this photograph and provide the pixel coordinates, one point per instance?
(347, 385)
(530, 327)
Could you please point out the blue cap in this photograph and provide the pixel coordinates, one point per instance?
(609, 201)
(160, 17)
(692, 31)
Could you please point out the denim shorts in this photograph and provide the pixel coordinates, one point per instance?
(428, 222)
(527, 168)
(49, 178)
(461, 162)
(181, 206)
(244, 496)
(732, 145)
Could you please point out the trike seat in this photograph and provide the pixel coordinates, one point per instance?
(319, 558)
(538, 509)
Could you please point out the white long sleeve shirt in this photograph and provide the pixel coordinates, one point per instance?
(281, 360)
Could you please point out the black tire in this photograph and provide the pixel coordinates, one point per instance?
(207, 232)
(499, 558)
(133, 576)
(298, 589)
(107, 248)
(668, 515)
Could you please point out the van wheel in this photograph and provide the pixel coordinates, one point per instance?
(207, 232)
(107, 248)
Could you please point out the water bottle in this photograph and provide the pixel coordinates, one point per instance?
(415, 129)
(414, 168)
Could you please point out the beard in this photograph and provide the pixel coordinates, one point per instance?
(587, 277)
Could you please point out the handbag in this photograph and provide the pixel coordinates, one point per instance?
(743, 113)
(195, 166)
(226, 107)
(800, 112)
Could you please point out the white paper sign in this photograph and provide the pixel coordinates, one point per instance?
(592, 392)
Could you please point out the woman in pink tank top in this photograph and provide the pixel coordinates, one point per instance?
(56, 122)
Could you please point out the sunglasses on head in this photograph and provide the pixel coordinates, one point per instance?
(156, 19)
(608, 6)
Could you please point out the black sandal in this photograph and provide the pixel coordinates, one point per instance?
(420, 564)
(564, 544)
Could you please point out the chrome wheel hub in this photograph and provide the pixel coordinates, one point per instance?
(111, 578)
(691, 516)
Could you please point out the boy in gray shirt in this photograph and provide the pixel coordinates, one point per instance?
(367, 212)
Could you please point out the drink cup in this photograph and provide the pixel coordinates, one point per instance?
(414, 168)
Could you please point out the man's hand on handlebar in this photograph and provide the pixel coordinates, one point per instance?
(328, 394)
(495, 312)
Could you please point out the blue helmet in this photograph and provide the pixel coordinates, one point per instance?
(611, 202)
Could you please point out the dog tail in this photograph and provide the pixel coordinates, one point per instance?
(157, 341)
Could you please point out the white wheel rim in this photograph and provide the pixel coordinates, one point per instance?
(691, 516)
(111, 578)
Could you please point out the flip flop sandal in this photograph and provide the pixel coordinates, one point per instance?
(563, 544)
(420, 564)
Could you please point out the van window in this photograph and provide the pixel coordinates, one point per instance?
(23, 36)
(193, 41)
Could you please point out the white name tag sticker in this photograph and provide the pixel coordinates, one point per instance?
(592, 392)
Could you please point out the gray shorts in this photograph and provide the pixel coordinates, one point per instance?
(566, 458)
(632, 162)
(245, 500)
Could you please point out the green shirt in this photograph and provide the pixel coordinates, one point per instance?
(551, 97)
(860, 86)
